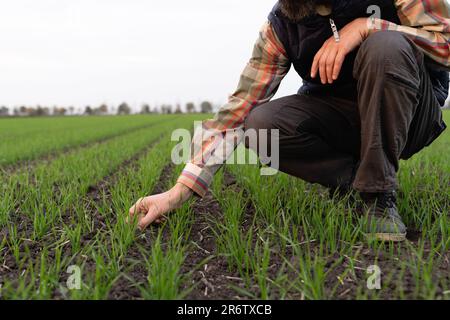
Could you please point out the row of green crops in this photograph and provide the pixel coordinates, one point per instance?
(302, 244)
(280, 237)
(46, 192)
(160, 258)
(28, 138)
(55, 198)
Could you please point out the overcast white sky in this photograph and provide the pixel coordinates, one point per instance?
(59, 52)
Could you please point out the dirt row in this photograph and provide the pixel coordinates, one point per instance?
(9, 268)
(211, 278)
(339, 284)
(209, 275)
(135, 274)
(94, 198)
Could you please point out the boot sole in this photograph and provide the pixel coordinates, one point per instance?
(386, 237)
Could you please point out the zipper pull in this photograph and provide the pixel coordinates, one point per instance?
(335, 31)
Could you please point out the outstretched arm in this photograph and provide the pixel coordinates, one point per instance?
(217, 138)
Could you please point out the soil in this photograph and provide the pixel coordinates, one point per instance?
(9, 269)
(135, 272)
(390, 269)
(211, 276)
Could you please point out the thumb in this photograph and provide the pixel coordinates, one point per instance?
(136, 208)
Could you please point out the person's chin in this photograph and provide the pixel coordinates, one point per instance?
(297, 10)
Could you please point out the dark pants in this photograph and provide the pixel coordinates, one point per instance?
(358, 137)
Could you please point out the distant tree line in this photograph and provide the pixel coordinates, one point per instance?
(122, 109)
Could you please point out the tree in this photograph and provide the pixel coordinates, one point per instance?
(23, 111)
(206, 107)
(42, 111)
(4, 111)
(59, 111)
(124, 108)
(30, 112)
(145, 109)
(190, 107)
(103, 109)
(38, 112)
(178, 109)
(166, 109)
(88, 111)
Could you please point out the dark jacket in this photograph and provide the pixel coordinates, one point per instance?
(302, 40)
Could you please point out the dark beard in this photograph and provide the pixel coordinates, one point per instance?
(296, 10)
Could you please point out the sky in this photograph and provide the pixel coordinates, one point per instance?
(84, 52)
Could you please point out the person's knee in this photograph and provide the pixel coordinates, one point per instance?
(383, 49)
(384, 44)
(259, 118)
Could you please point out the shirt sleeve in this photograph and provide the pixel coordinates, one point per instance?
(427, 23)
(216, 139)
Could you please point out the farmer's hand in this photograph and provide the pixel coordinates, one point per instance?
(153, 209)
(328, 61)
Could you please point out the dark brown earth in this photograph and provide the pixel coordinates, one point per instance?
(397, 279)
(211, 276)
(102, 192)
(135, 272)
(32, 250)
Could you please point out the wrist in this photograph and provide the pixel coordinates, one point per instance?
(365, 26)
(178, 195)
(182, 190)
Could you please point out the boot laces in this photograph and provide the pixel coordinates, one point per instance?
(386, 201)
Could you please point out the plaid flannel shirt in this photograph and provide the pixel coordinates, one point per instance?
(427, 22)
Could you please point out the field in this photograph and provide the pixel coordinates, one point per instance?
(66, 185)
